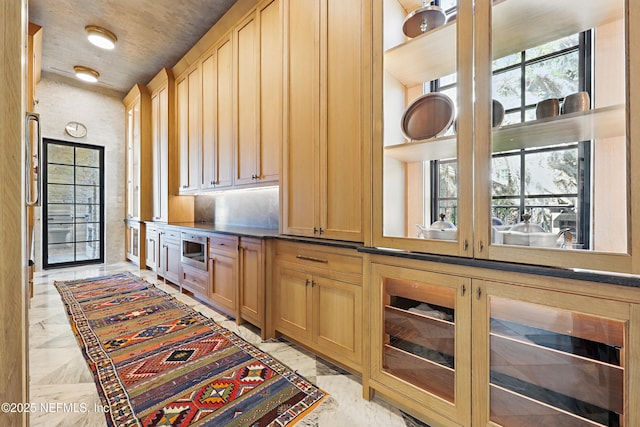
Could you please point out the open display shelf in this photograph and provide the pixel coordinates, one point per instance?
(517, 25)
(593, 124)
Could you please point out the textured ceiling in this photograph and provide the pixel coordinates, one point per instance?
(151, 34)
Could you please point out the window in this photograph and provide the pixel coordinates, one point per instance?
(550, 183)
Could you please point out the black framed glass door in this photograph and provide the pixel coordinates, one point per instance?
(73, 204)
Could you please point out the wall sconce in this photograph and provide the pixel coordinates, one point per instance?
(101, 37)
(86, 74)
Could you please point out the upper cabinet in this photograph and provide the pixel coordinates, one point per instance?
(229, 107)
(167, 206)
(327, 113)
(258, 97)
(537, 169)
(139, 185)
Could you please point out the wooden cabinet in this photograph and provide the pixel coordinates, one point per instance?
(230, 107)
(152, 249)
(326, 112)
(133, 242)
(463, 346)
(195, 280)
(189, 106)
(223, 268)
(552, 358)
(421, 341)
(252, 259)
(138, 201)
(167, 205)
(258, 97)
(317, 300)
(217, 117)
(170, 264)
(486, 176)
(138, 188)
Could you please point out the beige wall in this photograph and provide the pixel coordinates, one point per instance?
(60, 101)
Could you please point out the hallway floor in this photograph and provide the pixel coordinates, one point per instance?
(64, 393)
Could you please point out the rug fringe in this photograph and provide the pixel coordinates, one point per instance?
(310, 419)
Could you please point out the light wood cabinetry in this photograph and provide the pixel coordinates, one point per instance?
(252, 267)
(407, 194)
(542, 350)
(258, 97)
(323, 156)
(167, 205)
(170, 264)
(189, 106)
(217, 117)
(152, 248)
(229, 107)
(134, 247)
(317, 299)
(139, 187)
(223, 268)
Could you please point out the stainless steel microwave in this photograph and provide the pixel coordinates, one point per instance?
(195, 250)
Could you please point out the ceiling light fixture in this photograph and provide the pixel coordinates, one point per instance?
(101, 37)
(85, 73)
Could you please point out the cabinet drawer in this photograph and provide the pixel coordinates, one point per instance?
(170, 235)
(197, 281)
(334, 259)
(223, 243)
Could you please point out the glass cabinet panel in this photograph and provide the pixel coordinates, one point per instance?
(427, 122)
(550, 366)
(558, 167)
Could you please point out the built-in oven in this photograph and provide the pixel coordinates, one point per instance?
(195, 250)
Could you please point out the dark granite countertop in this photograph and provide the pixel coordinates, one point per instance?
(235, 230)
(567, 273)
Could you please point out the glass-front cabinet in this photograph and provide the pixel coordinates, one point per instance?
(507, 130)
(426, 191)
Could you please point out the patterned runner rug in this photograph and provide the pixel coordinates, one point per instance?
(157, 362)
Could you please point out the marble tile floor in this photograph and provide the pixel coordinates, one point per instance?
(63, 392)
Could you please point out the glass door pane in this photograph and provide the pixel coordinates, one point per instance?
(73, 204)
(427, 122)
(558, 138)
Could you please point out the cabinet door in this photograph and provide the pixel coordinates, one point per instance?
(338, 319)
(182, 94)
(132, 241)
(174, 265)
(224, 281)
(209, 123)
(152, 249)
(271, 57)
(341, 148)
(300, 164)
(292, 300)
(247, 107)
(224, 53)
(547, 358)
(252, 281)
(421, 339)
(160, 153)
(133, 160)
(195, 128)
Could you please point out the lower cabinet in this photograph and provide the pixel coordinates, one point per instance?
(195, 280)
(317, 299)
(133, 235)
(524, 352)
(251, 280)
(223, 267)
(170, 265)
(152, 248)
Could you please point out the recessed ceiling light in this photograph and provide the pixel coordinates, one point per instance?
(85, 73)
(101, 37)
